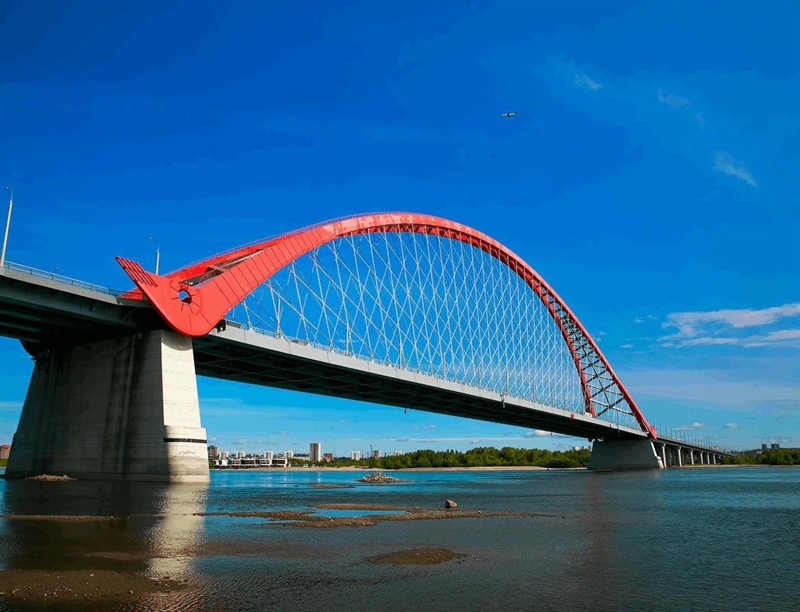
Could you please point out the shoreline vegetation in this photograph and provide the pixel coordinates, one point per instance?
(357, 468)
(507, 458)
(480, 457)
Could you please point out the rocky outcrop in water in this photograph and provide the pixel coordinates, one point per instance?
(449, 503)
(379, 478)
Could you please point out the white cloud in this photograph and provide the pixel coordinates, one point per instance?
(731, 426)
(717, 327)
(626, 346)
(672, 100)
(686, 322)
(537, 433)
(691, 427)
(778, 337)
(583, 80)
(430, 426)
(724, 163)
(783, 334)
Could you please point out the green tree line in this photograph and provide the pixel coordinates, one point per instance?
(774, 456)
(476, 457)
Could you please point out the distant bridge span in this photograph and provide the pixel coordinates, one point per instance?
(401, 309)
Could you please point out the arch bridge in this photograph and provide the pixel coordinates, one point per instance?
(398, 308)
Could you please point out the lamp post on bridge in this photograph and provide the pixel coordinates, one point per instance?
(158, 251)
(8, 224)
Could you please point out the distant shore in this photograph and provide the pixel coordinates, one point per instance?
(316, 468)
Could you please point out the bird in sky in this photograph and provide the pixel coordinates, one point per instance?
(511, 114)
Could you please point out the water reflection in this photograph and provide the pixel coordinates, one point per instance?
(619, 511)
(149, 528)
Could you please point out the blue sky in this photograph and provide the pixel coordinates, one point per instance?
(652, 177)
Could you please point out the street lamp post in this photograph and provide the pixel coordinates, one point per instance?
(8, 223)
(158, 251)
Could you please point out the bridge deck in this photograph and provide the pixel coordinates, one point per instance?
(246, 356)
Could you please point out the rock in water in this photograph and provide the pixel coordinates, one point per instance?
(379, 478)
(449, 503)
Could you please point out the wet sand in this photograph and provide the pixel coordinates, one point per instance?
(417, 556)
(38, 587)
(305, 518)
(104, 589)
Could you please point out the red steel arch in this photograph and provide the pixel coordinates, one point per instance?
(194, 299)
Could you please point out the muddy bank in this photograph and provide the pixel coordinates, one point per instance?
(41, 587)
(307, 518)
(417, 556)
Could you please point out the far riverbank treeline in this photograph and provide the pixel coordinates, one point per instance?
(476, 457)
(773, 456)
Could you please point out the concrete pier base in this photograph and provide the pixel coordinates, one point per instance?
(122, 409)
(624, 455)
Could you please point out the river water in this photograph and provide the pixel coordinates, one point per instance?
(693, 539)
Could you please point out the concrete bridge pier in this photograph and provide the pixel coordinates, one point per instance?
(625, 455)
(121, 409)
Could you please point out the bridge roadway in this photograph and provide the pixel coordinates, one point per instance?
(44, 310)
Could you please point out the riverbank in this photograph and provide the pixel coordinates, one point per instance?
(317, 468)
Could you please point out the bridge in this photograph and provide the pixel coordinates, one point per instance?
(401, 309)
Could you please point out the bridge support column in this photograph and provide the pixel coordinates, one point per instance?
(122, 409)
(680, 456)
(663, 455)
(691, 455)
(624, 455)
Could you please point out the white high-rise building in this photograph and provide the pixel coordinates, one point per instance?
(355, 455)
(268, 456)
(315, 452)
(289, 455)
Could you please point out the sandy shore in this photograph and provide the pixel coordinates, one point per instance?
(493, 468)
(40, 587)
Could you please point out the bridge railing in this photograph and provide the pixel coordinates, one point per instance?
(60, 279)
(685, 436)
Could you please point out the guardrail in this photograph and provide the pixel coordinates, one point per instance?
(60, 279)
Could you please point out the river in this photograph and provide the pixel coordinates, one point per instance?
(692, 539)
